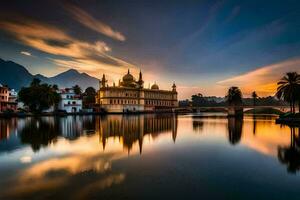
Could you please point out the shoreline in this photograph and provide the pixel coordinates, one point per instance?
(21, 115)
(212, 114)
(288, 121)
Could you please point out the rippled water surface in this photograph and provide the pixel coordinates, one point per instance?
(148, 156)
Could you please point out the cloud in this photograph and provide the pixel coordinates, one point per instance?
(264, 79)
(73, 53)
(25, 53)
(87, 20)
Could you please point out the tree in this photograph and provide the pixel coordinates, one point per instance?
(55, 97)
(35, 82)
(298, 96)
(77, 90)
(254, 96)
(90, 91)
(234, 96)
(39, 97)
(89, 97)
(288, 87)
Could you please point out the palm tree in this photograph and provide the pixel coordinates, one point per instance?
(298, 96)
(77, 90)
(287, 88)
(234, 100)
(234, 96)
(254, 96)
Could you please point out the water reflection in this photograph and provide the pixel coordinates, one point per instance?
(198, 125)
(235, 127)
(93, 157)
(254, 124)
(42, 131)
(290, 155)
(7, 127)
(39, 132)
(134, 128)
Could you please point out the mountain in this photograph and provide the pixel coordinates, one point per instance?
(13, 74)
(16, 76)
(72, 77)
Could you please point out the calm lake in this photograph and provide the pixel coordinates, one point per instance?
(148, 157)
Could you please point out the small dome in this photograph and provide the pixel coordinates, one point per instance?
(128, 77)
(154, 87)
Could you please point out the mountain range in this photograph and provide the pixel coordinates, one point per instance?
(17, 76)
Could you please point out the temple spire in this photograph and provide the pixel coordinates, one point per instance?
(174, 87)
(140, 81)
(103, 81)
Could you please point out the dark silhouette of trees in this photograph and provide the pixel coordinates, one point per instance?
(89, 97)
(288, 89)
(254, 97)
(234, 96)
(39, 97)
(77, 90)
(234, 101)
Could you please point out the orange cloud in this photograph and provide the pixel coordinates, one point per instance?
(87, 20)
(84, 56)
(264, 79)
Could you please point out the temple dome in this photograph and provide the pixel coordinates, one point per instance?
(154, 87)
(128, 77)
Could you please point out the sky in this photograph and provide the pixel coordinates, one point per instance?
(203, 46)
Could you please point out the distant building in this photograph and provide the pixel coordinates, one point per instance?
(13, 96)
(131, 96)
(6, 102)
(70, 102)
(215, 99)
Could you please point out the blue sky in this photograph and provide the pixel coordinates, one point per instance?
(204, 46)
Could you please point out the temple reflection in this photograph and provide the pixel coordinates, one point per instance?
(133, 128)
(290, 155)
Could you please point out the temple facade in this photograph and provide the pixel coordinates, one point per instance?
(131, 96)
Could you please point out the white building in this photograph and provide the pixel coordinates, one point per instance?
(13, 96)
(70, 102)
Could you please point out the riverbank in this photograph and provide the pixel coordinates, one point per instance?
(289, 119)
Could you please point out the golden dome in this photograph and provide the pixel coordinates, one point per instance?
(128, 77)
(154, 87)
